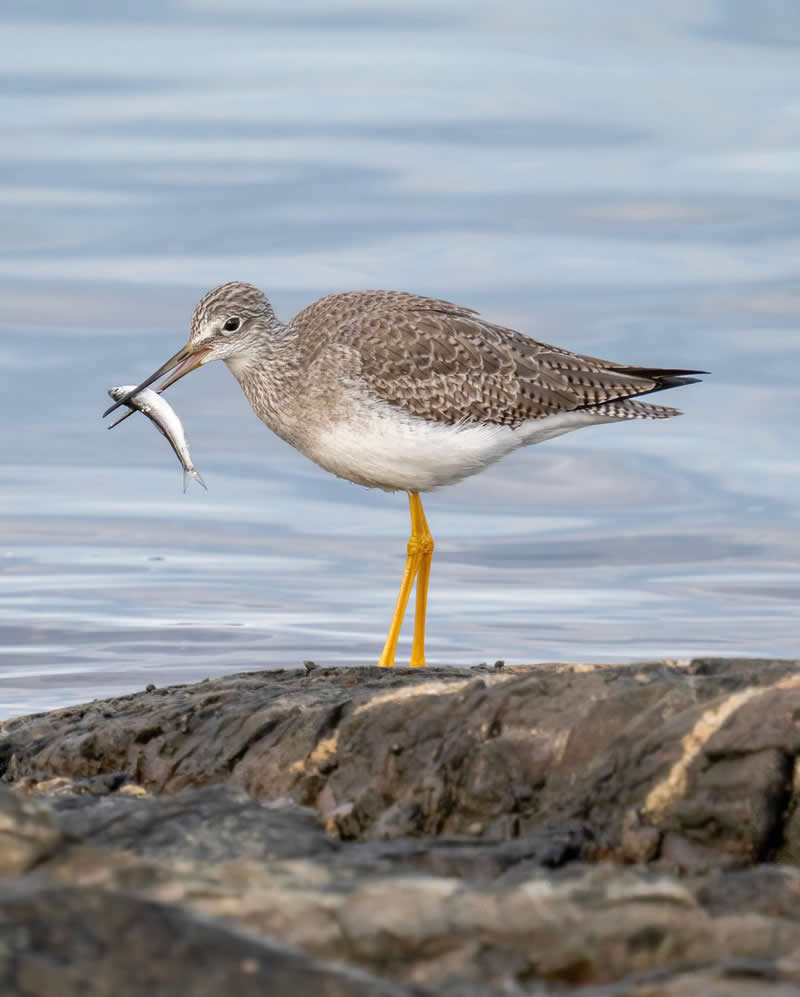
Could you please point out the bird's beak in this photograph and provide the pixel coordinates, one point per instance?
(185, 360)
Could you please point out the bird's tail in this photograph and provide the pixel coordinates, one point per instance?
(628, 408)
(664, 378)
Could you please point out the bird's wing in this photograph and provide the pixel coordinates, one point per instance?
(441, 362)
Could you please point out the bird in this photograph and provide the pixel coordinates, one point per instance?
(402, 392)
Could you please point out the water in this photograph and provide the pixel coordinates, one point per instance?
(620, 184)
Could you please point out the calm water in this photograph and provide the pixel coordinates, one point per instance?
(620, 185)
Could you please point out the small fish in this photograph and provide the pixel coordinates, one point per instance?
(165, 419)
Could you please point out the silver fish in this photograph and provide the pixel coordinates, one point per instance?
(165, 419)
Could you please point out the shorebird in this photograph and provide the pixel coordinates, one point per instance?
(405, 393)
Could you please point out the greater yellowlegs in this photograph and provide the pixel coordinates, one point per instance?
(405, 393)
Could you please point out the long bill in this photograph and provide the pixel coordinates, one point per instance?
(185, 360)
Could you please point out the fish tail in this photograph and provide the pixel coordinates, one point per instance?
(192, 472)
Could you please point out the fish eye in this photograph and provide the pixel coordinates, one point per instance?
(232, 325)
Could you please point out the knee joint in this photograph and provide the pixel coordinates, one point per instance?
(420, 545)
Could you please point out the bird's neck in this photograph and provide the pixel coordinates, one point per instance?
(268, 374)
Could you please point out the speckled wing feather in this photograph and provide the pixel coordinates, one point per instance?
(441, 362)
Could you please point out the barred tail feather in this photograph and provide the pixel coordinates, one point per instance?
(630, 409)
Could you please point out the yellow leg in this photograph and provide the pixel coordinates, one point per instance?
(425, 545)
(418, 559)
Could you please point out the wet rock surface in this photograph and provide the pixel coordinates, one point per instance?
(608, 830)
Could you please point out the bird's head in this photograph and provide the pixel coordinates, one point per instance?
(229, 323)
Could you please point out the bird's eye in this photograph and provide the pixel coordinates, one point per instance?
(231, 325)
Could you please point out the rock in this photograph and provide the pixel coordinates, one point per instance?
(29, 832)
(525, 830)
(736, 978)
(69, 941)
(640, 842)
(213, 824)
(703, 752)
(477, 861)
(588, 926)
(221, 823)
(771, 890)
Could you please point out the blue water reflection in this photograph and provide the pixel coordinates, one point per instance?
(623, 187)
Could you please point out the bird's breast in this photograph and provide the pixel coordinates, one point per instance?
(345, 430)
(386, 448)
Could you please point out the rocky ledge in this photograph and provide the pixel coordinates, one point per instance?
(541, 830)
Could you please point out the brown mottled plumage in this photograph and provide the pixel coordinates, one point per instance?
(438, 361)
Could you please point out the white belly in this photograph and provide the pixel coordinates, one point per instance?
(382, 448)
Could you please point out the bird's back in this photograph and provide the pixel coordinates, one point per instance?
(441, 362)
